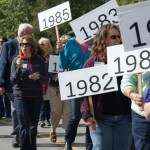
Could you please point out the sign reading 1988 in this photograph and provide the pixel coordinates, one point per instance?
(54, 16)
(120, 62)
(135, 29)
(87, 25)
(85, 82)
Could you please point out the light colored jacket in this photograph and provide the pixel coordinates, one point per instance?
(132, 82)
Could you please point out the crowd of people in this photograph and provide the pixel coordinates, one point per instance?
(30, 95)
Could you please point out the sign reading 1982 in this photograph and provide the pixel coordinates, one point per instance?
(87, 25)
(85, 82)
(54, 16)
(134, 23)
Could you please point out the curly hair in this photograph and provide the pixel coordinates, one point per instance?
(99, 41)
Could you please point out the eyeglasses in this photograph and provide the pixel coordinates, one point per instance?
(25, 44)
(115, 37)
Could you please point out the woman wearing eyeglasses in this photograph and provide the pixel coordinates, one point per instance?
(28, 74)
(110, 127)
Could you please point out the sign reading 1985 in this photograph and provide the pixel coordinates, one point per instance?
(54, 16)
(85, 82)
(134, 22)
(120, 62)
(87, 25)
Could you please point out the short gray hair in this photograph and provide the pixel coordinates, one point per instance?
(25, 29)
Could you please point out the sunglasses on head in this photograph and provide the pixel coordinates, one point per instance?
(114, 37)
(25, 44)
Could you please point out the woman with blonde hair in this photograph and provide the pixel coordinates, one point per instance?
(45, 51)
(45, 46)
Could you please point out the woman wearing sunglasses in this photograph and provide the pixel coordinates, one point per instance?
(110, 128)
(28, 74)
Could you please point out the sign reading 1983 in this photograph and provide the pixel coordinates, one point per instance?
(54, 16)
(85, 82)
(134, 22)
(87, 25)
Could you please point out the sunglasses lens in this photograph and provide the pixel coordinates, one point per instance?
(25, 44)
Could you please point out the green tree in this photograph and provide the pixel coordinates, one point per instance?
(77, 9)
(14, 12)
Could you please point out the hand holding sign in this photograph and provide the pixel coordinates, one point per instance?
(131, 21)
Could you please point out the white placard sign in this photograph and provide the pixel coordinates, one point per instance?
(120, 62)
(54, 16)
(54, 64)
(87, 25)
(134, 23)
(85, 82)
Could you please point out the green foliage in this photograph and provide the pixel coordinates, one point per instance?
(14, 12)
(126, 2)
(77, 9)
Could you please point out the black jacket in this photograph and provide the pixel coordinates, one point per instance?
(23, 85)
(9, 52)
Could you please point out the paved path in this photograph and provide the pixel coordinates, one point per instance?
(43, 142)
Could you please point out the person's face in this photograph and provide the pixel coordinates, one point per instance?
(1, 42)
(25, 46)
(42, 46)
(113, 37)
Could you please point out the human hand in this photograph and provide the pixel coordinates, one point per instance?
(2, 90)
(59, 46)
(147, 111)
(34, 76)
(19, 62)
(137, 98)
(91, 123)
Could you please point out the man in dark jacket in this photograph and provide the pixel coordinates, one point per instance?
(9, 51)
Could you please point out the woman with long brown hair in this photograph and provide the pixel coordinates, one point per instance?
(28, 74)
(110, 128)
